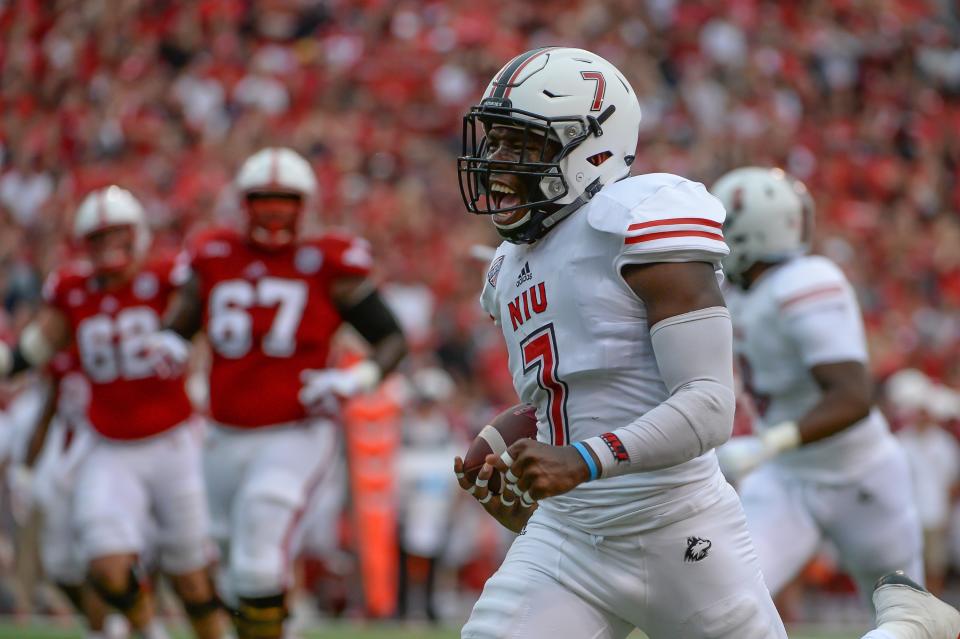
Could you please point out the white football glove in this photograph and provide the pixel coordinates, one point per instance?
(168, 353)
(741, 455)
(323, 387)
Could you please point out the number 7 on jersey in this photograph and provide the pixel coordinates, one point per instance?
(540, 352)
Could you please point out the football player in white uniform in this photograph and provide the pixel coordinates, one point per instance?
(616, 330)
(824, 463)
(607, 294)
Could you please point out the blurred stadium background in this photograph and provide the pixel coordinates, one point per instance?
(859, 98)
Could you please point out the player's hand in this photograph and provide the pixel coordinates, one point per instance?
(540, 470)
(506, 508)
(167, 353)
(322, 387)
(741, 455)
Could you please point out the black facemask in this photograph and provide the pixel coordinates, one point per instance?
(476, 169)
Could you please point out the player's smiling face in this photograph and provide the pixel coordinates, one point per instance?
(510, 145)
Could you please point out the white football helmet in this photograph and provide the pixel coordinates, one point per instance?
(285, 178)
(113, 207)
(769, 217)
(277, 170)
(581, 103)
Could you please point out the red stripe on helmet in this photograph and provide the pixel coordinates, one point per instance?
(274, 167)
(516, 74)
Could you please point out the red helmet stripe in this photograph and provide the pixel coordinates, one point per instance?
(275, 167)
(500, 87)
(516, 74)
(102, 207)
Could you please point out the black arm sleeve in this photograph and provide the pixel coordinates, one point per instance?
(20, 363)
(185, 314)
(371, 317)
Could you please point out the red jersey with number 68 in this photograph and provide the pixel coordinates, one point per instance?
(269, 315)
(110, 327)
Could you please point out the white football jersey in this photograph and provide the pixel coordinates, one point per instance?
(579, 344)
(797, 315)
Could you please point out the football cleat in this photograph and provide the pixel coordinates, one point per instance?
(906, 610)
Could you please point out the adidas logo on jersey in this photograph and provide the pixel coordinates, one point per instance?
(525, 274)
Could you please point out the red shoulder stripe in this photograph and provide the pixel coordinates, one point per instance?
(649, 237)
(677, 220)
(823, 291)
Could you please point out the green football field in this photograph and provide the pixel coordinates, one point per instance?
(353, 631)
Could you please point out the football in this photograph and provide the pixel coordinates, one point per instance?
(515, 423)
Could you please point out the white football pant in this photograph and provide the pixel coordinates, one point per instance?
(698, 578)
(259, 483)
(872, 522)
(134, 494)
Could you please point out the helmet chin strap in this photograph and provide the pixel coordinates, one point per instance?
(540, 222)
(551, 220)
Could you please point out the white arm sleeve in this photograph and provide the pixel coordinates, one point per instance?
(695, 354)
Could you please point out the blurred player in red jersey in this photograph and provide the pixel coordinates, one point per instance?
(146, 461)
(270, 302)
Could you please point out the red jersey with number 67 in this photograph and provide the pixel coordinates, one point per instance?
(128, 401)
(269, 315)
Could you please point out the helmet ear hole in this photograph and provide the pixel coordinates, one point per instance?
(599, 158)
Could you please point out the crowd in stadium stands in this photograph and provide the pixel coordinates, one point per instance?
(858, 98)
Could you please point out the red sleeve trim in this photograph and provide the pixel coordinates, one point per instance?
(649, 237)
(702, 221)
(823, 291)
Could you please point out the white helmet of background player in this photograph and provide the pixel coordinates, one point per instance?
(769, 217)
(112, 226)
(585, 108)
(277, 184)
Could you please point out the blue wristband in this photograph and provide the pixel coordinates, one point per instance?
(588, 458)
